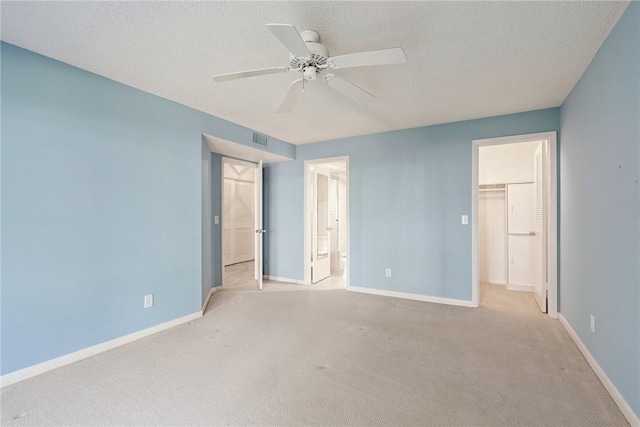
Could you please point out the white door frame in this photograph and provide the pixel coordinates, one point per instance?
(308, 207)
(233, 161)
(552, 212)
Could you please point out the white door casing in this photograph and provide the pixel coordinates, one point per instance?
(539, 263)
(550, 172)
(321, 230)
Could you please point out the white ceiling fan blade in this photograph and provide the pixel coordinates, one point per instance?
(347, 88)
(291, 98)
(375, 57)
(249, 73)
(290, 37)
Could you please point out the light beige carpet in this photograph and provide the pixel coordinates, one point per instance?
(331, 358)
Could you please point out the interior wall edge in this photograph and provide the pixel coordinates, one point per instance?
(58, 362)
(617, 397)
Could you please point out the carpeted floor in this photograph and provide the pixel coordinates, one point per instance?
(331, 357)
(240, 276)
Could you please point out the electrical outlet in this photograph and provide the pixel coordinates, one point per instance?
(593, 324)
(216, 219)
(388, 272)
(148, 301)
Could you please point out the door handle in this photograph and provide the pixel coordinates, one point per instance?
(532, 233)
(329, 228)
(260, 231)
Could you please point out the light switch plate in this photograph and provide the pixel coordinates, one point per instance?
(465, 219)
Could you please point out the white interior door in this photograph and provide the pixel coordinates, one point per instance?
(492, 246)
(227, 222)
(539, 238)
(259, 231)
(321, 229)
(333, 226)
(520, 216)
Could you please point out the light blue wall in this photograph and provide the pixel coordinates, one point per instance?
(101, 204)
(224, 129)
(206, 222)
(408, 190)
(283, 219)
(600, 208)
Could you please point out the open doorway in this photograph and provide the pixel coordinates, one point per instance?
(326, 222)
(240, 211)
(252, 158)
(515, 218)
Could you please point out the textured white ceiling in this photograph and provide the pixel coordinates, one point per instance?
(465, 60)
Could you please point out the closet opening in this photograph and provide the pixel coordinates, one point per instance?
(238, 223)
(515, 220)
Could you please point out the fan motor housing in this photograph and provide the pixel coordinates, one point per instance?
(319, 53)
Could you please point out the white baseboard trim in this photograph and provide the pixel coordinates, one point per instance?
(40, 368)
(284, 279)
(613, 391)
(496, 282)
(211, 292)
(415, 297)
(522, 288)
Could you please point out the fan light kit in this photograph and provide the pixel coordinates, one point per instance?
(311, 58)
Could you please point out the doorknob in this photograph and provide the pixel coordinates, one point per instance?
(261, 231)
(532, 233)
(329, 228)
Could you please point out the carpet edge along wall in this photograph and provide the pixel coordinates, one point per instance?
(407, 192)
(101, 205)
(600, 206)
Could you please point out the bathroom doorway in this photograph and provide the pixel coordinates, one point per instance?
(326, 221)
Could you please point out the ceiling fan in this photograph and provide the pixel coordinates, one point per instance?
(311, 59)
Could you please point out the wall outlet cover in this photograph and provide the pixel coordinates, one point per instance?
(148, 301)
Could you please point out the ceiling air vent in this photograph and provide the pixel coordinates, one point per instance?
(260, 139)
